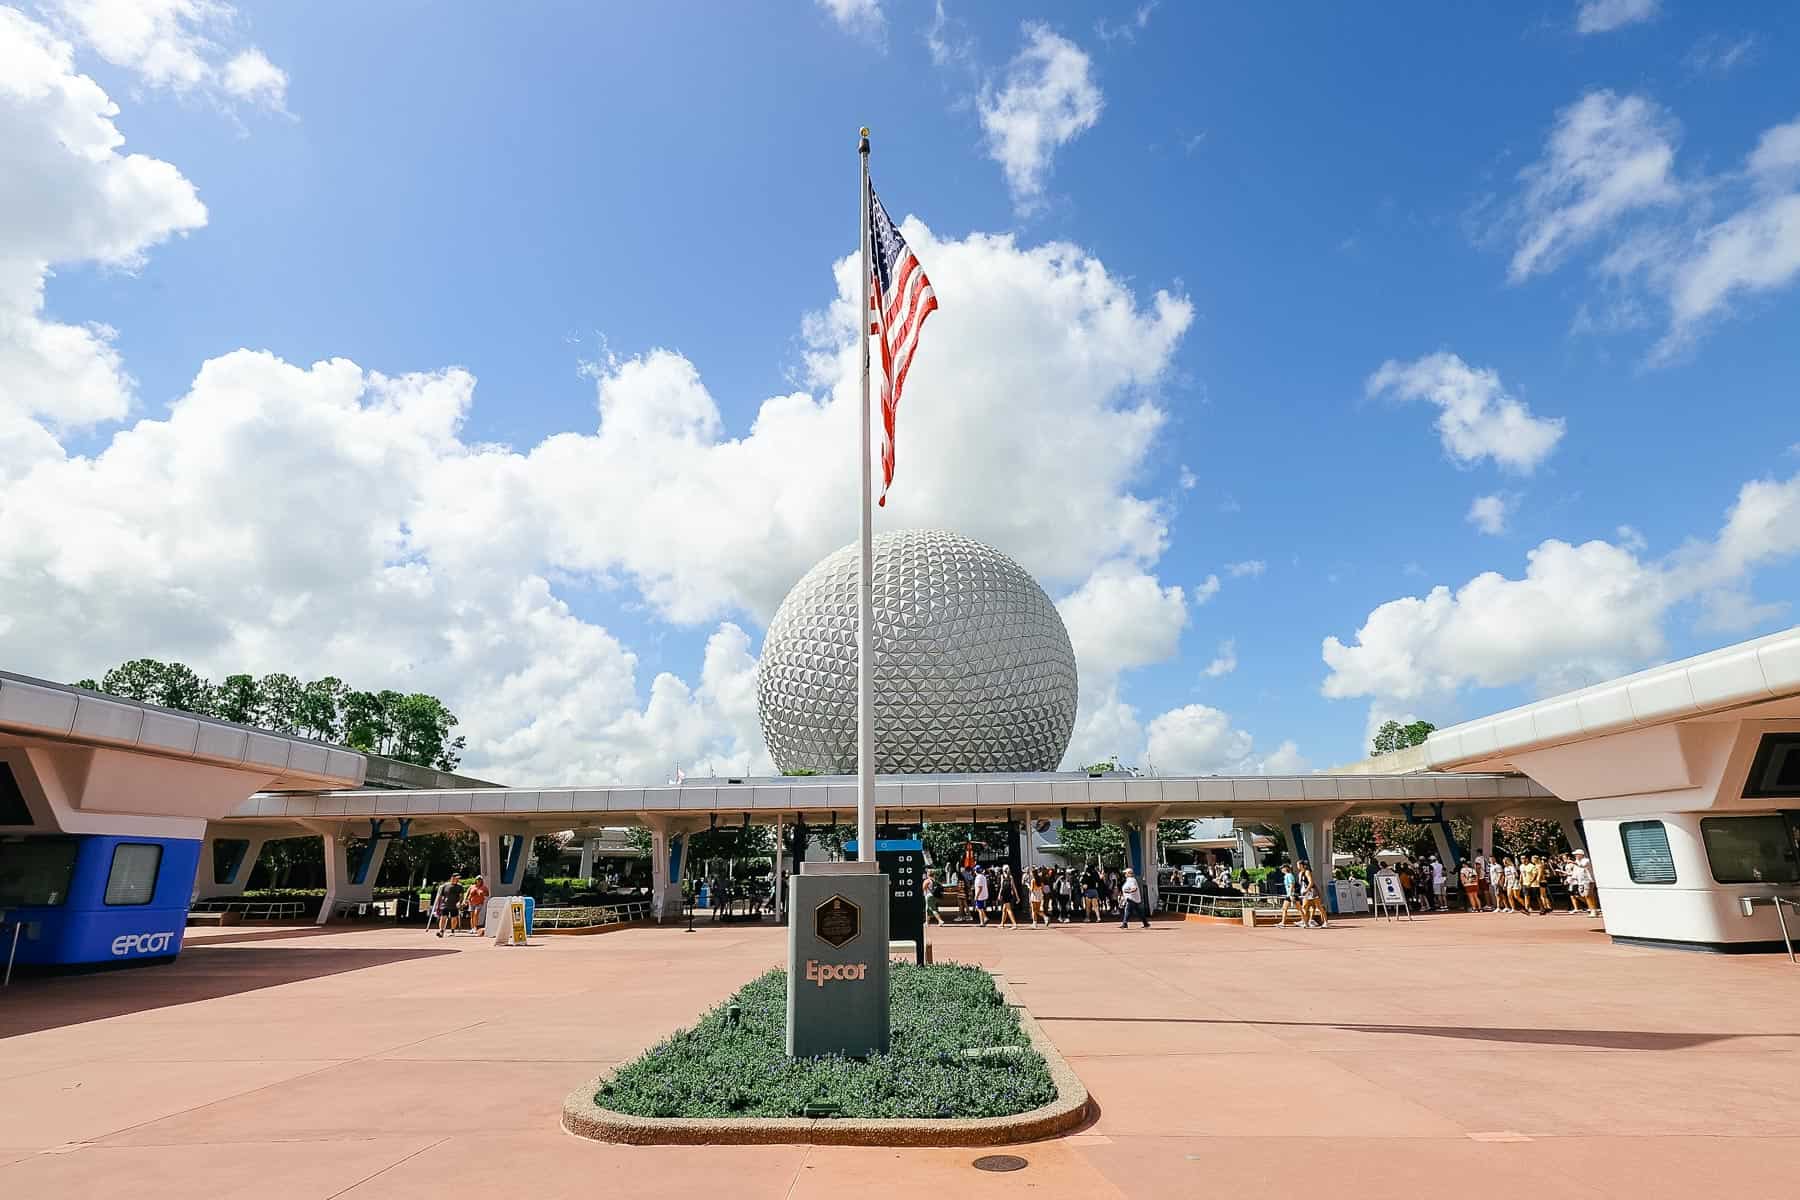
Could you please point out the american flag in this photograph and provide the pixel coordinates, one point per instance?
(900, 298)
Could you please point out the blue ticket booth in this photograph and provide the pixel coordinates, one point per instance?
(95, 898)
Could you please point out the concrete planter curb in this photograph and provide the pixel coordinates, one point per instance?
(583, 1117)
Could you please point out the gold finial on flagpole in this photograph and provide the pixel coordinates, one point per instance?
(865, 131)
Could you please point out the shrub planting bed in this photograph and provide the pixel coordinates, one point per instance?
(734, 1062)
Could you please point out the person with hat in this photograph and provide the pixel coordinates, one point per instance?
(1131, 894)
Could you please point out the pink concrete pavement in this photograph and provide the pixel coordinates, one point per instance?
(1476, 1055)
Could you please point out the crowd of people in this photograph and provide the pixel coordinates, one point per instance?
(1524, 883)
(1045, 896)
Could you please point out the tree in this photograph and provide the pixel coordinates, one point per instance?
(140, 680)
(420, 727)
(1394, 736)
(319, 702)
(180, 688)
(238, 699)
(365, 721)
(280, 702)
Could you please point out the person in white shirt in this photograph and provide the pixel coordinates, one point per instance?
(981, 894)
(1496, 885)
(1581, 884)
(1437, 884)
(1132, 893)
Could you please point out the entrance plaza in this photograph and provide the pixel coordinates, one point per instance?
(1465, 1054)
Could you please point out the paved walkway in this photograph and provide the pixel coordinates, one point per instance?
(1467, 1055)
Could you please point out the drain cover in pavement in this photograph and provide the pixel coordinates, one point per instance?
(999, 1162)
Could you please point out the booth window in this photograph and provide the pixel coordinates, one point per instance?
(1750, 849)
(1647, 854)
(1775, 772)
(36, 872)
(132, 879)
(13, 810)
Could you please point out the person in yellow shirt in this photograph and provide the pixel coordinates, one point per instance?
(1531, 877)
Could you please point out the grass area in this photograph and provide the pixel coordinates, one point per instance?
(724, 1069)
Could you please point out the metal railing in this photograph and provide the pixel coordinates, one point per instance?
(254, 910)
(1205, 904)
(588, 916)
(1788, 941)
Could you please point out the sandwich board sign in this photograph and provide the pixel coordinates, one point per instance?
(1390, 898)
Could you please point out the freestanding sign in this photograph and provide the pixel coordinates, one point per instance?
(837, 960)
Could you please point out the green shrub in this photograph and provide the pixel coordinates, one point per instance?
(721, 1069)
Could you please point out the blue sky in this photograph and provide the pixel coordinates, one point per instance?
(1588, 240)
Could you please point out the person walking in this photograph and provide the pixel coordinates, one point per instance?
(1131, 895)
(932, 913)
(1037, 901)
(1290, 897)
(981, 896)
(1439, 885)
(1009, 899)
(1090, 894)
(1496, 884)
(478, 898)
(447, 903)
(1311, 906)
(1541, 895)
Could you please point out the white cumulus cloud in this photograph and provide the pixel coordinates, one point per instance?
(1608, 155)
(863, 18)
(1604, 16)
(1490, 513)
(174, 44)
(1579, 613)
(333, 519)
(1122, 618)
(1477, 417)
(1696, 245)
(1225, 661)
(1046, 99)
(71, 195)
(1250, 566)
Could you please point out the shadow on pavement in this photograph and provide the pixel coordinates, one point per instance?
(1609, 1039)
(202, 972)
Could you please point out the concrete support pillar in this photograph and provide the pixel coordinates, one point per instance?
(1309, 833)
(504, 856)
(247, 845)
(1572, 830)
(668, 853)
(349, 878)
(1140, 850)
(1246, 845)
(588, 846)
(1482, 830)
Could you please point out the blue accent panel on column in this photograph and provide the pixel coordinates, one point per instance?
(676, 843)
(240, 847)
(359, 870)
(1456, 859)
(1134, 848)
(515, 854)
(1298, 842)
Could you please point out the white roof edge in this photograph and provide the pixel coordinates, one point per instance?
(1764, 668)
(928, 793)
(41, 708)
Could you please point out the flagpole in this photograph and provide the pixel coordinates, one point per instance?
(865, 623)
